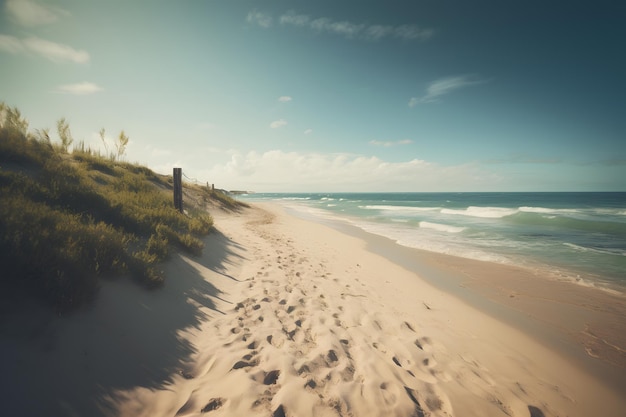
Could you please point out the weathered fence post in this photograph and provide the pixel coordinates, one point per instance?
(178, 189)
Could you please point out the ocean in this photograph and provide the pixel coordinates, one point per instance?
(579, 237)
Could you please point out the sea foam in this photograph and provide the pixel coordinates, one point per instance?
(604, 251)
(484, 212)
(400, 208)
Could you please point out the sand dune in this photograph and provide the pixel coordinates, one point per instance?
(283, 317)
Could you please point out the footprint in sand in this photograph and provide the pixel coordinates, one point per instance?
(275, 341)
(408, 326)
(271, 377)
(347, 373)
(535, 412)
(304, 370)
(423, 343)
(244, 364)
(332, 356)
(279, 412)
(396, 361)
(213, 404)
(419, 411)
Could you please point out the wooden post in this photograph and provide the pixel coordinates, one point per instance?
(178, 189)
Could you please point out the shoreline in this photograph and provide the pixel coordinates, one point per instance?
(588, 323)
(567, 236)
(561, 273)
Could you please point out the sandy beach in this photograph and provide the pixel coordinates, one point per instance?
(282, 316)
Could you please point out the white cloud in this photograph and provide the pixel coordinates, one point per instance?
(53, 51)
(308, 131)
(278, 170)
(278, 123)
(347, 29)
(378, 31)
(291, 18)
(262, 19)
(344, 28)
(56, 51)
(79, 88)
(31, 13)
(387, 144)
(284, 99)
(442, 87)
(406, 32)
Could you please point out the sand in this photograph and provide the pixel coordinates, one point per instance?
(285, 317)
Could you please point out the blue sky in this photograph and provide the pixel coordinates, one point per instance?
(295, 95)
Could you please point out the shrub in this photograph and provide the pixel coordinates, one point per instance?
(66, 220)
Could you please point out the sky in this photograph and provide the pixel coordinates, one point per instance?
(333, 96)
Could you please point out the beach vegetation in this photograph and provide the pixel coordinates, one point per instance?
(65, 134)
(122, 142)
(222, 198)
(67, 220)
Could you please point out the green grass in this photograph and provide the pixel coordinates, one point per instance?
(66, 220)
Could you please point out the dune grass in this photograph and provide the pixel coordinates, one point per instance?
(66, 220)
(222, 198)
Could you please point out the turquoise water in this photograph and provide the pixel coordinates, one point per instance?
(572, 236)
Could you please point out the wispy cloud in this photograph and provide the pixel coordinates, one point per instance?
(79, 89)
(388, 144)
(284, 99)
(344, 28)
(11, 44)
(31, 13)
(347, 29)
(444, 86)
(56, 52)
(406, 32)
(308, 131)
(278, 123)
(262, 19)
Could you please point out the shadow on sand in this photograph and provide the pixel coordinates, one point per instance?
(130, 337)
